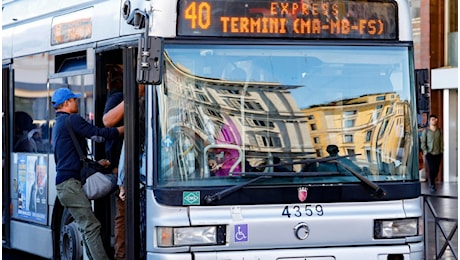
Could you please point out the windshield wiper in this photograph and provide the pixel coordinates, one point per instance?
(219, 195)
(378, 191)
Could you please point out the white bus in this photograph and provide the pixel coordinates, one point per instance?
(273, 129)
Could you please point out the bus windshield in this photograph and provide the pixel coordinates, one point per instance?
(318, 114)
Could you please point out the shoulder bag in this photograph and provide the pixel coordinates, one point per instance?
(96, 181)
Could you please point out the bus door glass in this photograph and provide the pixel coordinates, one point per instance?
(6, 70)
(31, 140)
(83, 84)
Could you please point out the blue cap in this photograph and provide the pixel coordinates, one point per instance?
(61, 95)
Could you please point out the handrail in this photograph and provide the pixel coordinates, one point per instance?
(222, 146)
(428, 207)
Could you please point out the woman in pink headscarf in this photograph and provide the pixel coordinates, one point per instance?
(228, 135)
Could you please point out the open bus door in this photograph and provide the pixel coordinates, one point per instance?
(6, 149)
(148, 71)
(132, 220)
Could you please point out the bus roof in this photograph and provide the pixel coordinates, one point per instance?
(35, 26)
(30, 27)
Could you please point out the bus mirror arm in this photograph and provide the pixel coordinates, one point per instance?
(149, 58)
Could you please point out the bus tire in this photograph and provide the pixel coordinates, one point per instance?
(70, 239)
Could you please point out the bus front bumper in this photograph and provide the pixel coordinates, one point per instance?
(413, 251)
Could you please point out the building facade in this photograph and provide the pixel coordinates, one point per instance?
(435, 29)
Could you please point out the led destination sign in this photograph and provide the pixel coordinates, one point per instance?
(292, 18)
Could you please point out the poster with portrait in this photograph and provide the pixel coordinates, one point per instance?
(32, 188)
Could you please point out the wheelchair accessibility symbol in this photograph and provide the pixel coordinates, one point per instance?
(241, 233)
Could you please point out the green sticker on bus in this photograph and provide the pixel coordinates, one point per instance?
(191, 198)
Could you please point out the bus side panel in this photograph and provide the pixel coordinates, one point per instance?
(38, 244)
(52, 196)
(17, 11)
(7, 44)
(15, 182)
(31, 38)
(36, 36)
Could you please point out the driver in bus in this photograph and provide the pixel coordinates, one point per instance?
(333, 151)
(332, 165)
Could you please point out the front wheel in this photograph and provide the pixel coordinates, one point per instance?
(70, 238)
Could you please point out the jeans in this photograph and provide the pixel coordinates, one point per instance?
(434, 161)
(72, 197)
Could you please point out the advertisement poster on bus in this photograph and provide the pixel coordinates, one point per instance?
(32, 188)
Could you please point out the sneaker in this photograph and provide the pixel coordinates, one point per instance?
(432, 188)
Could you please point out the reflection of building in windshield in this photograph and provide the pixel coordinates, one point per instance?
(264, 115)
(370, 125)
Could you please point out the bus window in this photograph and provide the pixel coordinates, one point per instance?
(31, 142)
(78, 84)
(31, 131)
(23, 124)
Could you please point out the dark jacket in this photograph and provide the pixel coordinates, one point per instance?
(113, 147)
(67, 160)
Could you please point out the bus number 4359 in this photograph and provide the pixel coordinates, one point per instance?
(299, 211)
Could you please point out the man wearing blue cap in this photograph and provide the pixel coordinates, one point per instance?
(68, 183)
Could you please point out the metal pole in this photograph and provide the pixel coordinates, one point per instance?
(131, 137)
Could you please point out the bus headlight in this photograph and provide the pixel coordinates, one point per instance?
(191, 236)
(396, 228)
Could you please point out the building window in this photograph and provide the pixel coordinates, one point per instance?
(198, 123)
(212, 112)
(313, 127)
(233, 103)
(375, 116)
(368, 135)
(348, 123)
(269, 141)
(368, 155)
(383, 129)
(350, 112)
(260, 123)
(252, 140)
(351, 152)
(316, 140)
(252, 105)
(203, 97)
(231, 91)
(348, 138)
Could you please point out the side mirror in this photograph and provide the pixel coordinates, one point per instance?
(150, 60)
